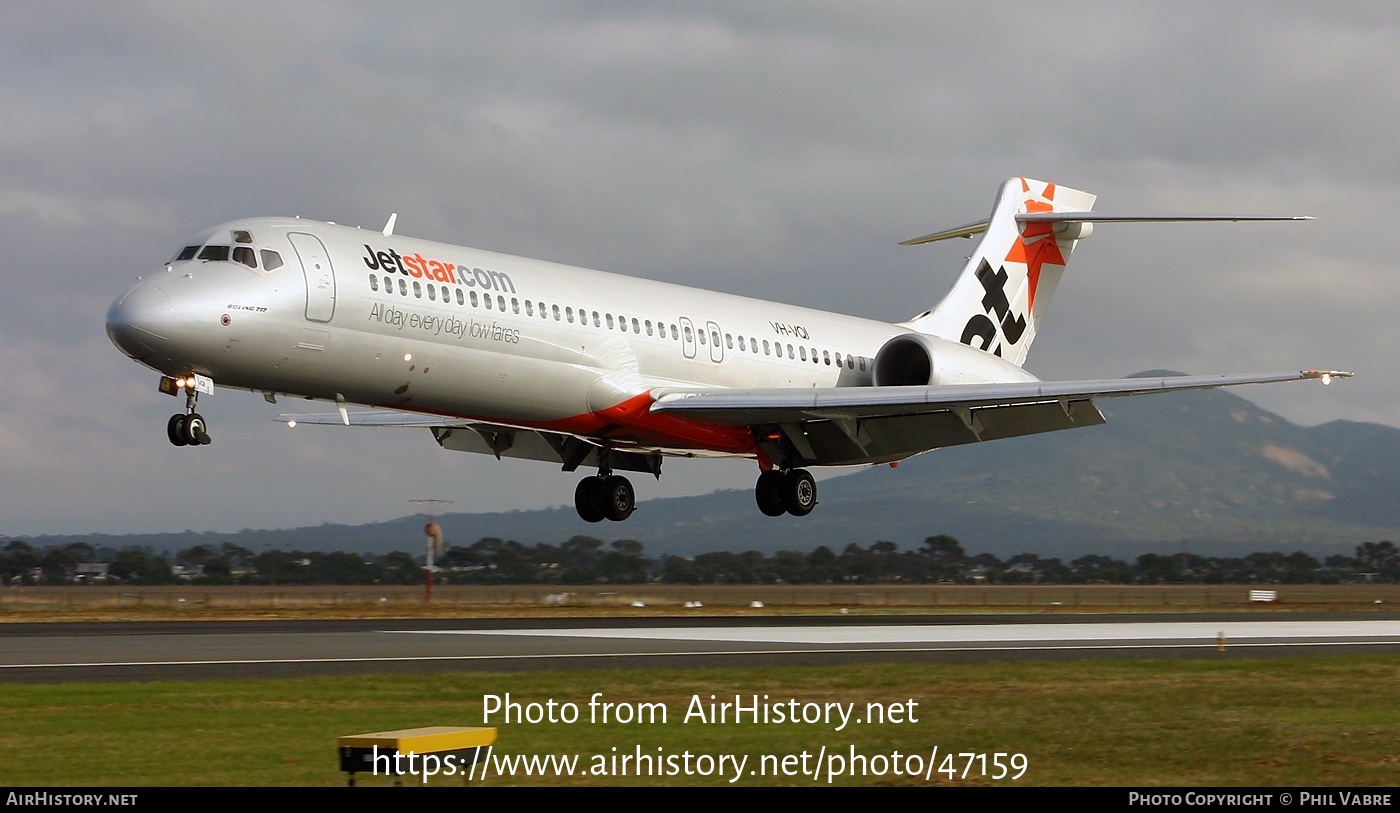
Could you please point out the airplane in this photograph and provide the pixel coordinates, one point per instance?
(522, 358)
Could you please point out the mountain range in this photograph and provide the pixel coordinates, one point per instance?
(1205, 471)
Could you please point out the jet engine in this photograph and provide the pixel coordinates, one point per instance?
(907, 360)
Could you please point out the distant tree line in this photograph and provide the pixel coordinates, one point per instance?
(585, 560)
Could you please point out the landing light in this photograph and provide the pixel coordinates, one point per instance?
(291, 424)
(408, 357)
(1326, 379)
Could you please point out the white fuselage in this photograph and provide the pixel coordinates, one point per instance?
(535, 360)
(355, 316)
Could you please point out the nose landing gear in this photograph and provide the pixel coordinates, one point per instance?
(189, 428)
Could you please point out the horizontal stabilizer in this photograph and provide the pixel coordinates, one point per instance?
(976, 228)
(1097, 217)
(965, 230)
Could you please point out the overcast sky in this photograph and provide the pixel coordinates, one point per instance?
(779, 150)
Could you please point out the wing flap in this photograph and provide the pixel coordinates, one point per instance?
(841, 441)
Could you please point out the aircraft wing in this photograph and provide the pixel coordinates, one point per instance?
(827, 426)
(851, 425)
(378, 417)
(462, 435)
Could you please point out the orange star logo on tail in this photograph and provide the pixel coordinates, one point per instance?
(1036, 244)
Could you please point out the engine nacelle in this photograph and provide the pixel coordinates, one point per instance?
(907, 360)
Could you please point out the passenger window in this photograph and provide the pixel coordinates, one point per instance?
(649, 327)
(675, 334)
(475, 302)
(460, 299)
(186, 253)
(543, 314)
(791, 354)
(814, 355)
(373, 282)
(501, 304)
(214, 253)
(741, 344)
(417, 290)
(862, 363)
(611, 326)
(273, 261)
(729, 341)
(850, 363)
(661, 329)
(555, 308)
(403, 287)
(622, 323)
(714, 336)
(432, 292)
(487, 299)
(569, 314)
(529, 308)
(636, 326)
(765, 348)
(243, 254)
(702, 336)
(514, 305)
(597, 320)
(689, 334)
(803, 351)
(826, 357)
(240, 236)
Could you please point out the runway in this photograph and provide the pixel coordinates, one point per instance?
(47, 653)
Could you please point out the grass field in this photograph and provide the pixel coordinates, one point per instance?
(1313, 721)
(193, 602)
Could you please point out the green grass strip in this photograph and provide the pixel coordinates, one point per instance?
(1242, 721)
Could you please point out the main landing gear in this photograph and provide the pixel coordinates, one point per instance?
(606, 496)
(786, 492)
(188, 429)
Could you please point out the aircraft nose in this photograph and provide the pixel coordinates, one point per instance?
(135, 320)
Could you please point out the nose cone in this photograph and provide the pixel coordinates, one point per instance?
(136, 319)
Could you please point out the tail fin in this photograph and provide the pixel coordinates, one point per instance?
(998, 301)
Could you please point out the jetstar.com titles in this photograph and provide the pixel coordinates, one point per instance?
(416, 265)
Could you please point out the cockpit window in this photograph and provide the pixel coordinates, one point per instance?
(243, 254)
(241, 236)
(186, 253)
(214, 253)
(271, 259)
